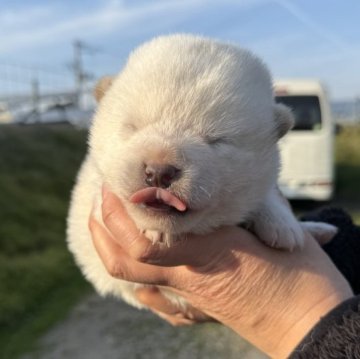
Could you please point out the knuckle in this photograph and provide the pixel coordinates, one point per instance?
(109, 215)
(115, 270)
(145, 252)
(91, 224)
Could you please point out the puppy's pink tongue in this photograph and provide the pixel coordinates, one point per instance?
(151, 194)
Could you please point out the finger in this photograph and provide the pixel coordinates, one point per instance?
(116, 219)
(184, 252)
(119, 265)
(125, 232)
(175, 320)
(153, 298)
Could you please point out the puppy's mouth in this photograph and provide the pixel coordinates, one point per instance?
(159, 200)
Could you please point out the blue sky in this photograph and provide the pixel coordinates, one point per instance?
(296, 38)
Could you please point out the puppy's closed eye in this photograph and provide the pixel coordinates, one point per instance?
(130, 127)
(215, 140)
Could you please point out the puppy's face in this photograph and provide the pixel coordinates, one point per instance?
(188, 147)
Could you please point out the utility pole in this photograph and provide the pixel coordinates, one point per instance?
(81, 76)
(356, 109)
(78, 69)
(35, 96)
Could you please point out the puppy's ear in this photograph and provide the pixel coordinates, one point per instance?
(102, 86)
(284, 119)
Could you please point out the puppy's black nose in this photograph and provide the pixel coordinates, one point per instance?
(160, 175)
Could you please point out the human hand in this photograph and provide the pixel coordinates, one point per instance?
(271, 297)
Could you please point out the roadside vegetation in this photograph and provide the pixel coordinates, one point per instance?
(348, 166)
(38, 279)
(348, 170)
(39, 282)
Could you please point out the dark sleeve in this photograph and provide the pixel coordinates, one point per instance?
(344, 249)
(336, 336)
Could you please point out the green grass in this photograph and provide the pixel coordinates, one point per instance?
(38, 280)
(347, 152)
(348, 165)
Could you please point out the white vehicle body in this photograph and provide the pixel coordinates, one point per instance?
(307, 151)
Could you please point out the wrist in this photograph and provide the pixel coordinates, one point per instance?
(277, 325)
(306, 320)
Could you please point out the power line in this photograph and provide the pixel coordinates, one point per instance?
(33, 68)
(19, 79)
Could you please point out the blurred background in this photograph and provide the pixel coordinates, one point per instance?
(51, 54)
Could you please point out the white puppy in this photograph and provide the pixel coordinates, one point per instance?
(186, 135)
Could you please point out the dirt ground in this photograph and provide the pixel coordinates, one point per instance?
(100, 328)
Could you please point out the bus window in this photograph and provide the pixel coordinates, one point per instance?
(306, 110)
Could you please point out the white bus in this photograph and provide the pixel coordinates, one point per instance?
(307, 151)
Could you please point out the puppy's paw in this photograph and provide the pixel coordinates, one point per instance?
(284, 233)
(276, 225)
(158, 237)
(322, 232)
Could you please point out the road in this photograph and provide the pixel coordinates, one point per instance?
(100, 328)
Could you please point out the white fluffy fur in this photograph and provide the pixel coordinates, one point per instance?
(205, 107)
